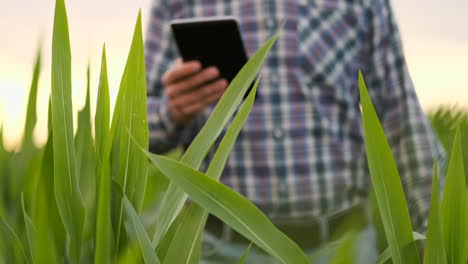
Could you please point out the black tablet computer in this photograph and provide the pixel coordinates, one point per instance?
(214, 41)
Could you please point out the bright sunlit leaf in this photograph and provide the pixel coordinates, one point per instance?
(66, 182)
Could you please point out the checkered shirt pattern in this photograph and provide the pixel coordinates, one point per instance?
(301, 153)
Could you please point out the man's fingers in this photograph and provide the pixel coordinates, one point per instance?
(192, 82)
(200, 96)
(196, 108)
(180, 71)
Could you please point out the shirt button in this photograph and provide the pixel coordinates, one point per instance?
(283, 188)
(278, 133)
(274, 80)
(270, 23)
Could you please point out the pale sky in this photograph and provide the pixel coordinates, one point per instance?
(435, 37)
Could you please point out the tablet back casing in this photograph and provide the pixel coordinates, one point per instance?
(214, 42)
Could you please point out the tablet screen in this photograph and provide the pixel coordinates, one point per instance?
(212, 41)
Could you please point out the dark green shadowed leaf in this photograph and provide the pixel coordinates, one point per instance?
(135, 227)
(86, 157)
(67, 192)
(466, 229)
(387, 185)
(31, 115)
(231, 208)
(86, 162)
(434, 252)
(386, 254)
(128, 163)
(196, 152)
(192, 225)
(445, 120)
(10, 239)
(345, 253)
(245, 255)
(30, 231)
(26, 162)
(102, 254)
(183, 247)
(165, 243)
(50, 231)
(4, 164)
(454, 206)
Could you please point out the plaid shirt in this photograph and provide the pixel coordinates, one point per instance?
(301, 153)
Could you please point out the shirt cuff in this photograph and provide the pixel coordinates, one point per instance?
(176, 131)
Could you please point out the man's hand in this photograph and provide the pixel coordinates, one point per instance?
(190, 89)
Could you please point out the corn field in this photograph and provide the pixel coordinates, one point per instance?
(100, 196)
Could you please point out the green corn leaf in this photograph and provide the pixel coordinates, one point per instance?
(453, 208)
(466, 229)
(26, 161)
(10, 238)
(102, 117)
(86, 162)
(163, 247)
(130, 255)
(86, 156)
(183, 247)
(103, 247)
(192, 225)
(67, 192)
(31, 115)
(387, 185)
(231, 208)
(3, 169)
(387, 254)
(222, 153)
(134, 226)
(128, 163)
(245, 255)
(434, 252)
(194, 155)
(3, 251)
(345, 253)
(50, 237)
(30, 231)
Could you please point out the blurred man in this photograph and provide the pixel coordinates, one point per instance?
(300, 156)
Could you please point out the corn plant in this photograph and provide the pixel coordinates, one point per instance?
(447, 234)
(445, 120)
(106, 199)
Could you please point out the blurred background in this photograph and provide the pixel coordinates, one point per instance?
(434, 33)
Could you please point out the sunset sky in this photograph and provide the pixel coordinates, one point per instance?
(435, 37)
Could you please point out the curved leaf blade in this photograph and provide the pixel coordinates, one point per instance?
(30, 231)
(245, 255)
(51, 233)
(10, 238)
(387, 185)
(31, 113)
(134, 226)
(232, 208)
(386, 255)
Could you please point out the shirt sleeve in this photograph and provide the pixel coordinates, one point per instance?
(160, 53)
(414, 145)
